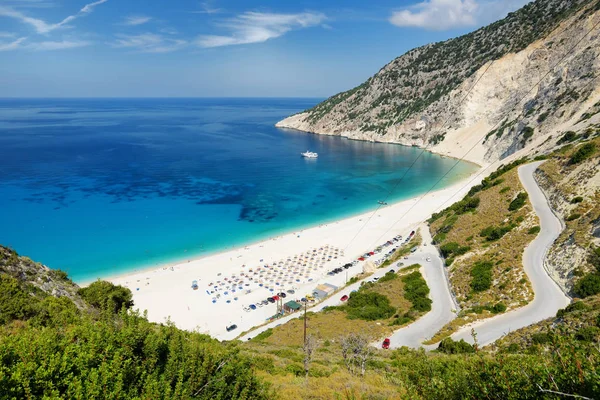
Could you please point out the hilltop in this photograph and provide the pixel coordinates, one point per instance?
(478, 90)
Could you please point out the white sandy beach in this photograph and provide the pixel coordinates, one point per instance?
(166, 292)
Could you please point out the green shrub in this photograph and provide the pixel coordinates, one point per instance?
(504, 189)
(567, 137)
(449, 346)
(584, 152)
(498, 308)
(416, 291)
(534, 230)
(390, 276)
(481, 272)
(573, 217)
(541, 338)
(107, 296)
(587, 334)
(453, 249)
(518, 202)
(576, 200)
(589, 285)
(492, 233)
(15, 303)
(368, 306)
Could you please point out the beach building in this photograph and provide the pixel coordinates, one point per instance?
(324, 290)
(291, 306)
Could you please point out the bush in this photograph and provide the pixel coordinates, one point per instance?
(498, 308)
(573, 217)
(416, 291)
(368, 306)
(587, 334)
(584, 152)
(15, 303)
(263, 335)
(390, 276)
(534, 230)
(518, 202)
(589, 285)
(567, 137)
(107, 296)
(492, 233)
(453, 249)
(482, 276)
(541, 338)
(449, 346)
(576, 200)
(504, 189)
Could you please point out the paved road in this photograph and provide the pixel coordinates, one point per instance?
(442, 308)
(549, 298)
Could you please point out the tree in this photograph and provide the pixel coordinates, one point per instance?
(107, 296)
(310, 345)
(356, 352)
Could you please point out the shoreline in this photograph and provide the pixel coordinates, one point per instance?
(166, 293)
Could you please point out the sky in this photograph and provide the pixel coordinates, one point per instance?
(218, 48)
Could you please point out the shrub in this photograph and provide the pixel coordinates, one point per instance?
(587, 334)
(449, 346)
(527, 133)
(541, 338)
(589, 285)
(498, 308)
(482, 276)
(390, 276)
(518, 202)
(453, 249)
(534, 230)
(15, 303)
(368, 306)
(504, 189)
(567, 137)
(107, 296)
(416, 291)
(573, 217)
(492, 233)
(263, 335)
(584, 152)
(576, 200)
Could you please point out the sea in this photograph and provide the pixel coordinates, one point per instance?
(100, 187)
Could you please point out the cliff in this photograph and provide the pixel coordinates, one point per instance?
(478, 90)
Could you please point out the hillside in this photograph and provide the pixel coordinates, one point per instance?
(428, 97)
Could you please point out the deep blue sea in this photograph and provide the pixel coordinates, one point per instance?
(103, 186)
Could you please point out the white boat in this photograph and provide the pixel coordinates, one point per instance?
(309, 154)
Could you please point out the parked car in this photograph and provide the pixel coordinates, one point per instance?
(361, 259)
(428, 259)
(344, 297)
(275, 297)
(386, 343)
(252, 307)
(291, 291)
(270, 300)
(392, 270)
(231, 327)
(282, 295)
(264, 302)
(304, 300)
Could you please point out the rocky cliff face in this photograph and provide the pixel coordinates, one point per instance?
(478, 90)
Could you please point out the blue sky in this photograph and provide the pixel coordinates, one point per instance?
(160, 48)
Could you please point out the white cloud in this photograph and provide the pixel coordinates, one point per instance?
(12, 45)
(149, 43)
(7, 34)
(208, 9)
(437, 14)
(449, 14)
(255, 27)
(41, 26)
(136, 20)
(61, 45)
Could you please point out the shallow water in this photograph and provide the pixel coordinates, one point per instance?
(103, 186)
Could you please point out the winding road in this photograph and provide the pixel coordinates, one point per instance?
(549, 298)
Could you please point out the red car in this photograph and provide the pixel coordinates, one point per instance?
(275, 297)
(371, 253)
(361, 259)
(344, 297)
(386, 343)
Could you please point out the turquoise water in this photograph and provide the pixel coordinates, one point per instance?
(103, 186)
